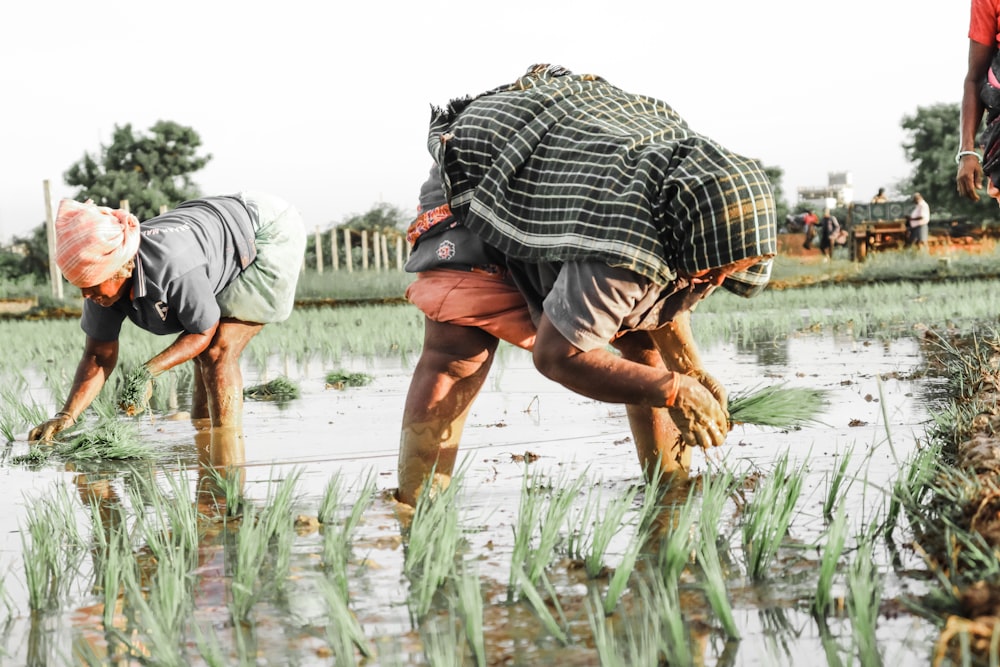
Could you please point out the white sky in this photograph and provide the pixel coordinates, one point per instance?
(326, 104)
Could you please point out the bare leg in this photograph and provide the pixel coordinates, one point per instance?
(199, 395)
(451, 371)
(220, 371)
(657, 439)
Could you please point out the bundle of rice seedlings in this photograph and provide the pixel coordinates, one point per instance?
(278, 389)
(109, 439)
(134, 397)
(777, 405)
(341, 379)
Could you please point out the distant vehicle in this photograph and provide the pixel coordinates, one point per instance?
(876, 227)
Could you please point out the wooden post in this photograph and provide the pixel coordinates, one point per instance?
(347, 250)
(384, 249)
(399, 253)
(364, 249)
(377, 247)
(123, 205)
(55, 276)
(319, 251)
(333, 250)
(164, 208)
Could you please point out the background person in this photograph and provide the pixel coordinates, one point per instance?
(919, 219)
(880, 197)
(590, 238)
(213, 270)
(984, 25)
(829, 228)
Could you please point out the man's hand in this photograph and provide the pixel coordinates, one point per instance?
(47, 430)
(970, 177)
(713, 386)
(701, 418)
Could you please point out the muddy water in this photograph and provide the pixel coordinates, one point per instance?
(354, 433)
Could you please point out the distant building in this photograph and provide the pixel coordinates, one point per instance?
(838, 192)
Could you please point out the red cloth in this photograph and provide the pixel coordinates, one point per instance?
(474, 299)
(984, 22)
(93, 242)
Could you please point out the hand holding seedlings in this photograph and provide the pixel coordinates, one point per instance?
(702, 420)
(137, 391)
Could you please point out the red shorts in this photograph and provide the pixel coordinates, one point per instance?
(474, 299)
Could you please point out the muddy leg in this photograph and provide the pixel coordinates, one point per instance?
(657, 439)
(221, 374)
(199, 395)
(451, 371)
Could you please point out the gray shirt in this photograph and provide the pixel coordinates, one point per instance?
(186, 257)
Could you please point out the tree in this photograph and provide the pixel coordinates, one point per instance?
(930, 145)
(149, 170)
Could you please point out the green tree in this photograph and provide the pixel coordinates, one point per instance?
(932, 135)
(149, 170)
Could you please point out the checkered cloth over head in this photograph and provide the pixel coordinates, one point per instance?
(564, 167)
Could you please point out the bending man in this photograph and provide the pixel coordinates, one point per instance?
(214, 271)
(563, 215)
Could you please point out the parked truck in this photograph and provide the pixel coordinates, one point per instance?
(876, 227)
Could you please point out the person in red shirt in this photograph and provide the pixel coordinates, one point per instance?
(984, 26)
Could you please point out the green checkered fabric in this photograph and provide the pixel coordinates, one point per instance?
(563, 167)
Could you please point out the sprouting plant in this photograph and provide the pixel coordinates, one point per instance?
(832, 550)
(341, 379)
(607, 523)
(836, 483)
(470, 608)
(279, 389)
(530, 592)
(768, 515)
(136, 390)
(715, 490)
(343, 632)
(864, 595)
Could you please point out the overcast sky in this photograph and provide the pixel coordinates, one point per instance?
(326, 104)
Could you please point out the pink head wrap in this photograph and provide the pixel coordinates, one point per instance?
(93, 242)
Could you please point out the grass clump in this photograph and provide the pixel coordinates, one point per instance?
(777, 405)
(278, 389)
(342, 379)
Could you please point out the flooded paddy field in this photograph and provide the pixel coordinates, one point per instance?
(523, 431)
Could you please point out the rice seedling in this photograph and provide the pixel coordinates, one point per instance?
(529, 591)
(432, 544)
(246, 586)
(832, 551)
(343, 632)
(619, 579)
(777, 405)
(209, 648)
(342, 379)
(228, 484)
(534, 559)
(661, 600)
(136, 390)
(52, 549)
(470, 607)
(836, 483)
(170, 526)
(442, 639)
(109, 439)
(279, 389)
(864, 595)
(19, 415)
(678, 540)
(715, 490)
(607, 523)
(158, 615)
(768, 515)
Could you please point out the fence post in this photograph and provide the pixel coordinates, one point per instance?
(384, 250)
(319, 251)
(376, 246)
(364, 249)
(123, 205)
(333, 250)
(347, 250)
(399, 253)
(55, 276)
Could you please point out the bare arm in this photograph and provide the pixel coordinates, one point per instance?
(970, 172)
(604, 376)
(185, 347)
(95, 367)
